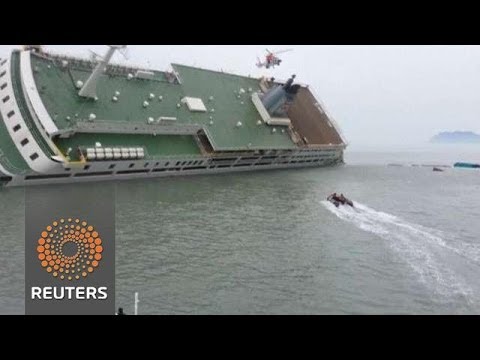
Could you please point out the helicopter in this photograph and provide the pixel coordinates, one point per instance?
(272, 59)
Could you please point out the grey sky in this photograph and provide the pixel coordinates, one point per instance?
(397, 95)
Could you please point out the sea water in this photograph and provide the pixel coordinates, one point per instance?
(269, 243)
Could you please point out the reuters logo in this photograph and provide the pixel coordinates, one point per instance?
(70, 249)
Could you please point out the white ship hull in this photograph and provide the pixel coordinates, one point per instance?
(100, 175)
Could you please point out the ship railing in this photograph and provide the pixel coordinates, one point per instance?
(125, 127)
(332, 119)
(83, 63)
(324, 147)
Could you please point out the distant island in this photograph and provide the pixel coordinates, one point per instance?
(456, 137)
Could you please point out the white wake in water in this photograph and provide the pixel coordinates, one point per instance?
(426, 250)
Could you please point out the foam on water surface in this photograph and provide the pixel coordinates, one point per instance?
(422, 248)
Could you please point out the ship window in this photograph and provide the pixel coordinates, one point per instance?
(178, 163)
(3, 74)
(16, 128)
(3, 62)
(6, 98)
(3, 86)
(34, 156)
(131, 166)
(24, 142)
(146, 164)
(87, 167)
(112, 166)
(10, 114)
(167, 163)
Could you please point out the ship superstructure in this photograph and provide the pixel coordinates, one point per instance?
(67, 119)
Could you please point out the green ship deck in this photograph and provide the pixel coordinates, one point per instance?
(154, 145)
(227, 98)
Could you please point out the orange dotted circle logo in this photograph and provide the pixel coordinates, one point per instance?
(70, 249)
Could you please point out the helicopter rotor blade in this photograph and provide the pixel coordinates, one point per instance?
(283, 51)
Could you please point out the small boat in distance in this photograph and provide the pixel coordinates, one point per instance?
(338, 200)
(466, 165)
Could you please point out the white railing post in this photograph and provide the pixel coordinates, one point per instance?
(136, 303)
